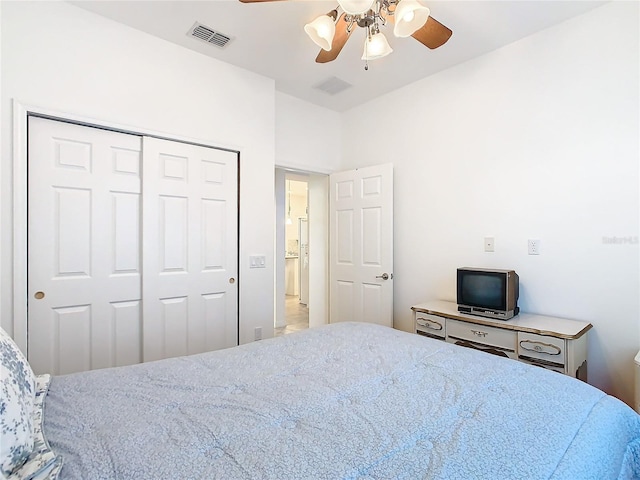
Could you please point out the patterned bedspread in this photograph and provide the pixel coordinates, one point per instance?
(344, 401)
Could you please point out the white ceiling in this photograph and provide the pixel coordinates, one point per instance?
(268, 38)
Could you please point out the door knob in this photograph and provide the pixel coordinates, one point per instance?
(39, 295)
(384, 276)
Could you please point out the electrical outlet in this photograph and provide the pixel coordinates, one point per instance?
(257, 333)
(489, 244)
(534, 247)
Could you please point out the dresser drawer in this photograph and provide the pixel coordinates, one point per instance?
(431, 325)
(541, 347)
(495, 337)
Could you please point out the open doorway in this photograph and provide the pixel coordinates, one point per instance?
(296, 263)
(301, 294)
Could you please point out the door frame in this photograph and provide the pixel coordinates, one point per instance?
(318, 263)
(21, 112)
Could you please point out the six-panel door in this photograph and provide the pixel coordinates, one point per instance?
(361, 245)
(130, 251)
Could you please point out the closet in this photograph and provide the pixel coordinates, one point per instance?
(132, 247)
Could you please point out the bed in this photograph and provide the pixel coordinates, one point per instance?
(342, 401)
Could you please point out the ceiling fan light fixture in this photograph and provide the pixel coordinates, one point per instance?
(356, 7)
(409, 17)
(376, 46)
(322, 30)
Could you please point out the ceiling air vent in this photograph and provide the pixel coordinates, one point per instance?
(208, 35)
(332, 85)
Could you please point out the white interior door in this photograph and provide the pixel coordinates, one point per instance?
(361, 245)
(84, 277)
(190, 214)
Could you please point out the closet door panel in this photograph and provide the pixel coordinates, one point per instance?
(190, 210)
(131, 256)
(83, 247)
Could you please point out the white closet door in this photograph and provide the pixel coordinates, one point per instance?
(189, 248)
(84, 277)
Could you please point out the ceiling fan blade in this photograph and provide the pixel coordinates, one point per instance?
(432, 34)
(339, 39)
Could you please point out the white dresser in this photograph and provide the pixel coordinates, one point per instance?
(557, 344)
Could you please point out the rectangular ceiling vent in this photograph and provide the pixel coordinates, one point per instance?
(333, 85)
(209, 35)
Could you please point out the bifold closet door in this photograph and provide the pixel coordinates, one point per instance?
(132, 248)
(190, 249)
(84, 263)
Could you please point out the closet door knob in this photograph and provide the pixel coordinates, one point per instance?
(232, 280)
(39, 295)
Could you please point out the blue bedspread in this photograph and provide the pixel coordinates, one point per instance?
(344, 401)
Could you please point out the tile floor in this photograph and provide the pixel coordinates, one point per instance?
(296, 316)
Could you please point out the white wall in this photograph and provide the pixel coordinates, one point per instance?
(536, 140)
(279, 274)
(308, 137)
(88, 66)
(318, 250)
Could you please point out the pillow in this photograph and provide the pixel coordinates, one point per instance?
(42, 463)
(17, 395)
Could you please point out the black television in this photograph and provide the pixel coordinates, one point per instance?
(488, 292)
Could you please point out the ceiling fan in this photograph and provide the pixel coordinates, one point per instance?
(408, 17)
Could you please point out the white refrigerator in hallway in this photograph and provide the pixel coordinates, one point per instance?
(303, 260)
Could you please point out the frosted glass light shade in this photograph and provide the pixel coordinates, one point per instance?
(355, 7)
(321, 31)
(376, 46)
(409, 17)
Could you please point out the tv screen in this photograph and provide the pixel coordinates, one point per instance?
(483, 290)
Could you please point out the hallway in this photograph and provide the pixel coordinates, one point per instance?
(296, 316)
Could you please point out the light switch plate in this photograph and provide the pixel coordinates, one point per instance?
(257, 261)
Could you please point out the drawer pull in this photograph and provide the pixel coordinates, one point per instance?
(478, 333)
(540, 347)
(432, 324)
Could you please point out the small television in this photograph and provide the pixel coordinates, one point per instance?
(488, 292)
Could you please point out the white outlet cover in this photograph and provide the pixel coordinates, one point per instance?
(533, 247)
